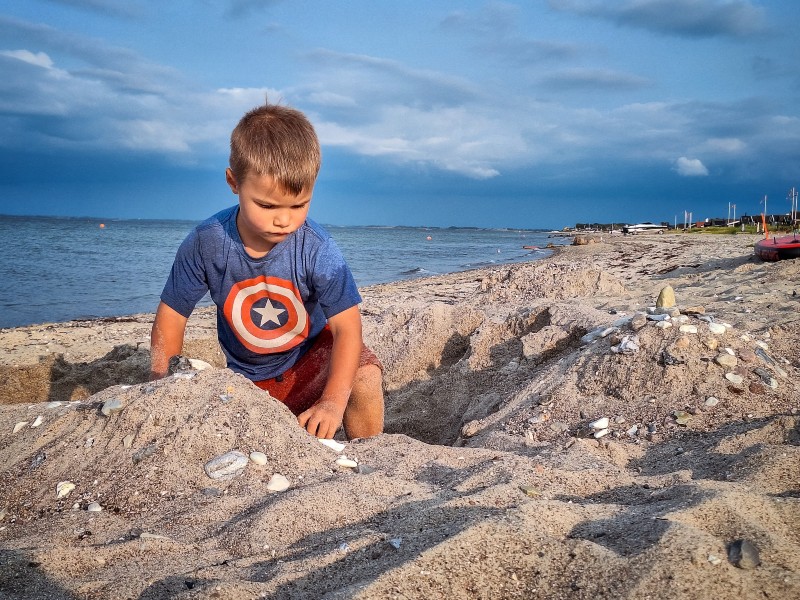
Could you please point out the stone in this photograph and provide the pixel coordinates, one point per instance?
(127, 441)
(94, 507)
(638, 321)
(724, 359)
(694, 310)
(666, 298)
(258, 458)
(226, 466)
(766, 377)
(744, 554)
(19, 426)
(601, 423)
(663, 324)
(601, 433)
(37, 422)
(278, 483)
(64, 488)
(688, 329)
(716, 328)
(711, 401)
(111, 406)
(658, 317)
(633, 431)
(682, 417)
(757, 388)
(469, 429)
(714, 559)
(680, 319)
(628, 345)
(711, 343)
(747, 356)
(559, 427)
(530, 491)
(734, 378)
(682, 343)
(199, 365)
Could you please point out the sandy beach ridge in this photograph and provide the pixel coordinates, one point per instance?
(546, 438)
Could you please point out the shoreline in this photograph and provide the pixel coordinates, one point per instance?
(544, 439)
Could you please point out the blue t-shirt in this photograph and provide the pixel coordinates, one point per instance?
(269, 309)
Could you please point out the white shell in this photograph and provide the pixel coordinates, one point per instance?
(600, 423)
(259, 458)
(199, 365)
(37, 422)
(332, 444)
(601, 433)
(19, 426)
(94, 507)
(64, 488)
(343, 461)
(278, 483)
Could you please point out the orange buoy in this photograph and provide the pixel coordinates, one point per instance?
(102, 225)
(429, 238)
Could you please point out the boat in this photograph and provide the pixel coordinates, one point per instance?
(640, 227)
(778, 248)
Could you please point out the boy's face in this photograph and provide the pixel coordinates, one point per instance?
(267, 214)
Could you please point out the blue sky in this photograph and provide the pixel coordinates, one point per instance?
(494, 114)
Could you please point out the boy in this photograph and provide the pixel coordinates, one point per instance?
(287, 303)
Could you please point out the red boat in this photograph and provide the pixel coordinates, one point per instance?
(778, 248)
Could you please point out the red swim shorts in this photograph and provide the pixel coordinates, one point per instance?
(302, 384)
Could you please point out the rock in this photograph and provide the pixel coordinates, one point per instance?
(37, 422)
(332, 444)
(199, 365)
(766, 377)
(278, 483)
(530, 491)
(716, 328)
(711, 343)
(2, 513)
(680, 319)
(757, 388)
(744, 554)
(258, 458)
(19, 426)
(633, 431)
(688, 329)
(666, 298)
(747, 356)
(711, 401)
(663, 324)
(638, 321)
(64, 488)
(658, 317)
(179, 364)
(127, 441)
(469, 429)
(628, 345)
(724, 359)
(226, 466)
(601, 433)
(714, 559)
(682, 417)
(94, 507)
(601, 423)
(682, 343)
(734, 378)
(112, 406)
(694, 310)
(559, 427)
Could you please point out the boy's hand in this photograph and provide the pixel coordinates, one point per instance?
(323, 419)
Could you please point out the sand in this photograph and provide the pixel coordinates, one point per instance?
(489, 481)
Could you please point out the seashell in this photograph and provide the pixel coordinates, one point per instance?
(349, 463)
(259, 458)
(64, 488)
(332, 444)
(226, 466)
(199, 365)
(599, 423)
(94, 507)
(111, 406)
(19, 426)
(601, 433)
(278, 483)
(37, 422)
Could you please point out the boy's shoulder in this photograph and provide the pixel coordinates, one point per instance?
(314, 229)
(218, 220)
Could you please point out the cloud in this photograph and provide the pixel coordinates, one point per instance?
(690, 167)
(690, 18)
(594, 79)
(40, 59)
(107, 7)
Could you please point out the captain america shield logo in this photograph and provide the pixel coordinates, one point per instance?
(266, 314)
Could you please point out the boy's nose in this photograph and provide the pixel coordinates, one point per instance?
(282, 219)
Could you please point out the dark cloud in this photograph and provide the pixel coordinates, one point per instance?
(690, 18)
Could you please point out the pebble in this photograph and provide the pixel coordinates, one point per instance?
(199, 365)
(766, 377)
(348, 463)
(757, 388)
(278, 483)
(658, 317)
(680, 319)
(717, 328)
(714, 559)
(682, 417)
(2, 513)
(628, 345)
(666, 297)
(694, 310)
(601, 433)
(37, 422)
(559, 427)
(600, 423)
(638, 321)
(19, 426)
(64, 488)
(259, 458)
(747, 356)
(663, 324)
(226, 466)
(711, 401)
(744, 554)
(688, 328)
(94, 507)
(127, 440)
(111, 406)
(711, 343)
(724, 359)
(332, 444)
(734, 378)
(396, 543)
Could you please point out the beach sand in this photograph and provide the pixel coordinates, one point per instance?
(490, 481)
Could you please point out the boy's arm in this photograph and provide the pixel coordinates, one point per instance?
(324, 418)
(166, 339)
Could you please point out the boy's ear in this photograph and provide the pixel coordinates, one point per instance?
(231, 181)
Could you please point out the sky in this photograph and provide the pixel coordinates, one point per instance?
(538, 114)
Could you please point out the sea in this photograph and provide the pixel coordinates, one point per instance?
(56, 269)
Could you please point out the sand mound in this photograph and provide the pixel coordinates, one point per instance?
(492, 480)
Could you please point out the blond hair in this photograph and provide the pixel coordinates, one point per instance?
(277, 141)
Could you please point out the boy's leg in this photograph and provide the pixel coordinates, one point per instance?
(363, 416)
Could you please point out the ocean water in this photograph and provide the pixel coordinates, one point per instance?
(59, 269)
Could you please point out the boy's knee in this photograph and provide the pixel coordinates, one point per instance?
(364, 414)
